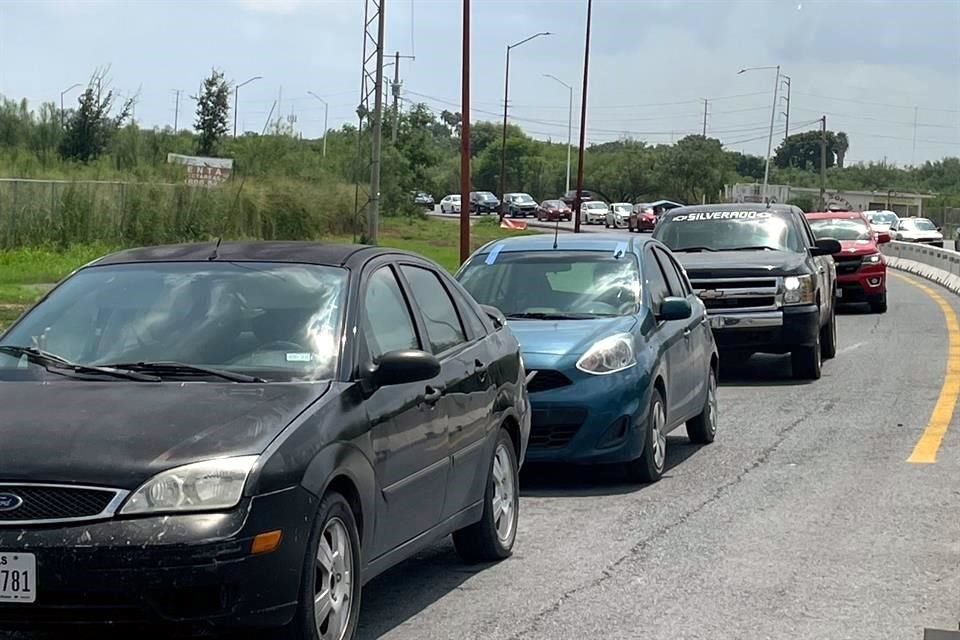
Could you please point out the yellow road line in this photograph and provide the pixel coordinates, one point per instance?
(925, 451)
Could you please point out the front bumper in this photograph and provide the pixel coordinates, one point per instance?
(863, 285)
(523, 211)
(594, 420)
(485, 207)
(766, 331)
(193, 570)
(593, 218)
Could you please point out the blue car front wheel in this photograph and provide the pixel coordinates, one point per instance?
(650, 465)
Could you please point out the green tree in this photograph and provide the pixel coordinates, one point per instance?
(802, 150)
(213, 110)
(749, 166)
(694, 169)
(91, 127)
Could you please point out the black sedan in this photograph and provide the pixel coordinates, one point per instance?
(243, 435)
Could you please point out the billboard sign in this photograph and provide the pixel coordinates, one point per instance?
(204, 172)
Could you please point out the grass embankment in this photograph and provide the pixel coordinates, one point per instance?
(26, 274)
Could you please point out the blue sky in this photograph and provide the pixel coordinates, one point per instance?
(872, 67)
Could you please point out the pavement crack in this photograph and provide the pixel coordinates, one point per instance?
(637, 549)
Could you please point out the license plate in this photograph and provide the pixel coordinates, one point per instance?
(18, 577)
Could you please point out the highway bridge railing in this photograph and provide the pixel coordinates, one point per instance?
(932, 263)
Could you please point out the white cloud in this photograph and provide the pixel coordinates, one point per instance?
(283, 7)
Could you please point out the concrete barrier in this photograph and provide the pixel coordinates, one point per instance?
(931, 263)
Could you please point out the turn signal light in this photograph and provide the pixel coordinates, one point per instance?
(266, 542)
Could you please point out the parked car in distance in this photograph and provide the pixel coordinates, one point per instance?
(642, 218)
(282, 421)
(571, 195)
(594, 212)
(483, 202)
(768, 283)
(861, 270)
(920, 230)
(618, 215)
(881, 220)
(616, 341)
(423, 199)
(551, 210)
(520, 204)
(450, 203)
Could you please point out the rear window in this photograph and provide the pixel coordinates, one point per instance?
(729, 230)
(840, 229)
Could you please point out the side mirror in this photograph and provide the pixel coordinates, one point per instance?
(883, 237)
(674, 309)
(940, 229)
(401, 367)
(496, 315)
(826, 247)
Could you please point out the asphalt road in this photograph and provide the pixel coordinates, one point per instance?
(803, 520)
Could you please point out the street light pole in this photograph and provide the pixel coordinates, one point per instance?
(506, 91)
(326, 108)
(569, 125)
(63, 123)
(465, 137)
(583, 121)
(236, 98)
(773, 115)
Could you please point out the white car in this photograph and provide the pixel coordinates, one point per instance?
(618, 215)
(593, 212)
(450, 203)
(919, 230)
(881, 221)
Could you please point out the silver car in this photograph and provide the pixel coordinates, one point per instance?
(594, 212)
(618, 215)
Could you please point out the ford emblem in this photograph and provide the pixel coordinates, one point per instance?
(10, 501)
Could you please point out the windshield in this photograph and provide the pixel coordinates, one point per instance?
(276, 321)
(553, 204)
(917, 224)
(728, 230)
(882, 218)
(522, 197)
(555, 284)
(624, 208)
(486, 195)
(841, 229)
(595, 205)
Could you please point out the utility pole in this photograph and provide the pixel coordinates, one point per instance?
(63, 119)
(786, 114)
(236, 100)
(326, 109)
(705, 104)
(373, 210)
(371, 85)
(395, 89)
(916, 112)
(569, 126)
(465, 137)
(823, 163)
(176, 111)
(583, 121)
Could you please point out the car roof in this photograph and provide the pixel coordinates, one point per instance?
(567, 242)
(659, 202)
(274, 251)
(833, 215)
(733, 206)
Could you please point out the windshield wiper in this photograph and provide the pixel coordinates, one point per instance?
(537, 315)
(182, 368)
(755, 248)
(692, 249)
(52, 362)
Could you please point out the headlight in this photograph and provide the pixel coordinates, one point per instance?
(873, 258)
(798, 290)
(202, 486)
(609, 355)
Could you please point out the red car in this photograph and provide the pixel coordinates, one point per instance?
(861, 270)
(550, 210)
(643, 218)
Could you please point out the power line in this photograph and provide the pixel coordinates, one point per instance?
(871, 103)
(884, 120)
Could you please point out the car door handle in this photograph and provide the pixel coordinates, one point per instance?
(432, 395)
(480, 369)
(686, 333)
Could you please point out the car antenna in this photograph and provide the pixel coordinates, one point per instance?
(556, 232)
(216, 250)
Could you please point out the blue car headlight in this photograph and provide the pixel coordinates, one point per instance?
(610, 355)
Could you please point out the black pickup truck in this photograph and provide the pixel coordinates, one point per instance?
(768, 284)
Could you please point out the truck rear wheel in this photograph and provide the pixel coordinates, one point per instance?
(807, 361)
(828, 336)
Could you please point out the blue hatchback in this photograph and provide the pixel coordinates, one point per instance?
(618, 343)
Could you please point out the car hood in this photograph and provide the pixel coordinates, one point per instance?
(921, 235)
(560, 338)
(120, 434)
(857, 248)
(732, 264)
(880, 226)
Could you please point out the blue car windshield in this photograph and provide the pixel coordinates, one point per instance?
(555, 285)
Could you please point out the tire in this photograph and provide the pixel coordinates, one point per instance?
(335, 531)
(807, 361)
(828, 337)
(650, 465)
(702, 429)
(492, 537)
(878, 304)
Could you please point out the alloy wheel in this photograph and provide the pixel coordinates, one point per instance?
(504, 494)
(659, 437)
(333, 593)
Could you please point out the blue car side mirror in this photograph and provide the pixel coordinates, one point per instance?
(673, 308)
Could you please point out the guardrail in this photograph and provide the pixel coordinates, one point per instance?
(943, 259)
